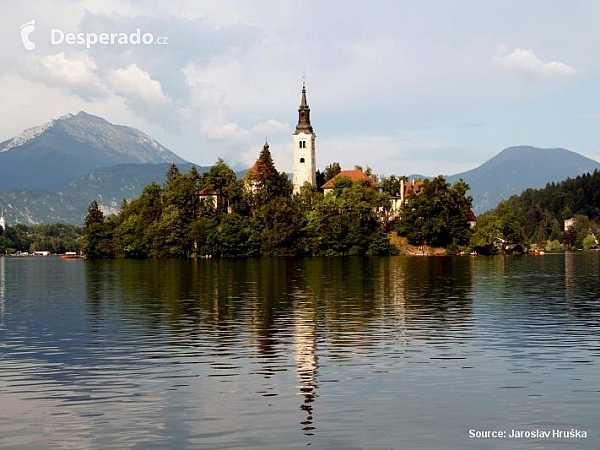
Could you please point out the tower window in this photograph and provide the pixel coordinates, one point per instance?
(302, 144)
(301, 160)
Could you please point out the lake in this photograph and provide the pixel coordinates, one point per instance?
(331, 353)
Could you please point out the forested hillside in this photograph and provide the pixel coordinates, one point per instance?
(537, 216)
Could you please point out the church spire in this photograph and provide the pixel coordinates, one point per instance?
(303, 114)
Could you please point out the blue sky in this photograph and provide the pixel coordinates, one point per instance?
(403, 87)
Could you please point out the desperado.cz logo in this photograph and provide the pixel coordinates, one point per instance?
(58, 37)
(26, 29)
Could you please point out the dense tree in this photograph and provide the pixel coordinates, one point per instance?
(540, 213)
(266, 183)
(345, 222)
(331, 171)
(97, 241)
(438, 216)
(221, 179)
(276, 228)
(257, 218)
(392, 185)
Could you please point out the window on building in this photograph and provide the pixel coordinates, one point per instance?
(302, 144)
(301, 160)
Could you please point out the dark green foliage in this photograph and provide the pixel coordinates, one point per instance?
(437, 217)
(540, 213)
(346, 223)
(222, 180)
(254, 217)
(331, 171)
(392, 185)
(232, 237)
(97, 241)
(54, 238)
(276, 227)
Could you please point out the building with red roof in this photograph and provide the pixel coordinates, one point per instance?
(355, 175)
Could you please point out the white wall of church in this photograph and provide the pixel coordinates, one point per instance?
(305, 165)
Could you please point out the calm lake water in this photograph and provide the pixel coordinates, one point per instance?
(339, 353)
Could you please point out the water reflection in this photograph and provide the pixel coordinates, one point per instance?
(2, 290)
(290, 352)
(305, 337)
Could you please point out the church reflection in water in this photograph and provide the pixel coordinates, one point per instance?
(305, 342)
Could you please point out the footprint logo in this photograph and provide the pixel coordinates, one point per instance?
(26, 30)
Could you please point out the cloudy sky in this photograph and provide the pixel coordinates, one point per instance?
(401, 86)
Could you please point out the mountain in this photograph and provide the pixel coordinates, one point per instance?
(516, 169)
(50, 155)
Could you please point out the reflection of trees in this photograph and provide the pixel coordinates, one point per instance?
(259, 297)
(582, 284)
(270, 310)
(530, 286)
(2, 290)
(440, 288)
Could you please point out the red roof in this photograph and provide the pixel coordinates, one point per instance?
(207, 192)
(352, 175)
(252, 173)
(415, 186)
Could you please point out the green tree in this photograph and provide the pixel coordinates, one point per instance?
(171, 237)
(331, 171)
(221, 179)
(232, 237)
(488, 232)
(589, 242)
(276, 228)
(266, 183)
(438, 216)
(97, 239)
(346, 223)
(392, 185)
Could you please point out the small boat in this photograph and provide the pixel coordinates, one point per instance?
(71, 255)
(537, 252)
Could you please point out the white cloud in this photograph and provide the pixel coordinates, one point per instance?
(526, 62)
(135, 82)
(74, 71)
(271, 126)
(29, 103)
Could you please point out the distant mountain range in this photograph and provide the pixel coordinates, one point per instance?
(53, 154)
(516, 169)
(52, 172)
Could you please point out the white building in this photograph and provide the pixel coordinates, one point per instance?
(305, 164)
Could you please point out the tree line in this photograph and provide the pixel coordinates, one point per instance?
(537, 216)
(53, 238)
(258, 216)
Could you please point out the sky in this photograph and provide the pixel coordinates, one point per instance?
(404, 87)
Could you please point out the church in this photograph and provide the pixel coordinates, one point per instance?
(305, 165)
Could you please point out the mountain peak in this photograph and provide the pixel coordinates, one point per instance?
(25, 136)
(53, 154)
(518, 168)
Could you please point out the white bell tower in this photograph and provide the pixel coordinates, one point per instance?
(305, 165)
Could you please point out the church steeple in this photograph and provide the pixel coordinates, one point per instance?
(305, 168)
(303, 114)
